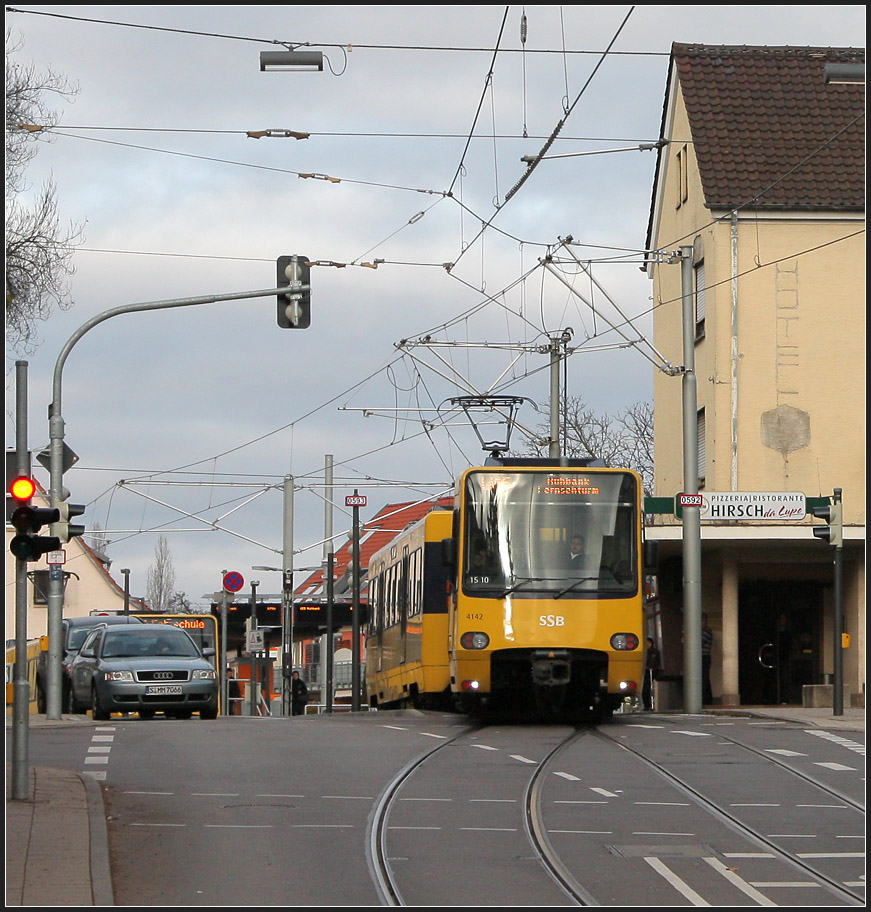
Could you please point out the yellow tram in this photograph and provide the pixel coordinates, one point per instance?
(406, 642)
(543, 565)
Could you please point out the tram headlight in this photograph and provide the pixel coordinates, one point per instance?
(474, 639)
(470, 685)
(624, 642)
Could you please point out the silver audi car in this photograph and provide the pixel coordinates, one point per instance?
(143, 668)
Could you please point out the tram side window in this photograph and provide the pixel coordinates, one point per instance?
(375, 603)
(387, 594)
(414, 583)
(391, 597)
(402, 603)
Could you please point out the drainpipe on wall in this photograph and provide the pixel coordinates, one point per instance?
(734, 355)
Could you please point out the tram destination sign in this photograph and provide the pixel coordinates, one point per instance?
(743, 506)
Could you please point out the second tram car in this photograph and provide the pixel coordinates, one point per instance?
(543, 565)
(406, 642)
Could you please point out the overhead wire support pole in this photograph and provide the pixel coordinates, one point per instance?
(327, 573)
(56, 466)
(656, 359)
(691, 516)
(355, 611)
(287, 599)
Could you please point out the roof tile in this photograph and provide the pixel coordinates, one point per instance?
(769, 132)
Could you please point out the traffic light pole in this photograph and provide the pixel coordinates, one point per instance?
(56, 467)
(838, 678)
(21, 684)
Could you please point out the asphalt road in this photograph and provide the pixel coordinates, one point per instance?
(246, 811)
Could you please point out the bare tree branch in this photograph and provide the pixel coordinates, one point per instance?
(160, 580)
(39, 250)
(619, 440)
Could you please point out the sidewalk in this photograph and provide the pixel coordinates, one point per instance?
(57, 851)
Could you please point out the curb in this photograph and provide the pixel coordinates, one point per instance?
(101, 876)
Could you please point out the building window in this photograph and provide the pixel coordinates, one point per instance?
(700, 433)
(682, 182)
(40, 587)
(39, 578)
(699, 297)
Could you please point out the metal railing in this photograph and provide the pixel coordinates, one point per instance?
(313, 675)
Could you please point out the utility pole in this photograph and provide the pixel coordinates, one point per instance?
(692, 535)
(253, 654)
(329, 674)
(554, 447)
(287, 598)
(558, 356)
(327, 574)
(355, 611)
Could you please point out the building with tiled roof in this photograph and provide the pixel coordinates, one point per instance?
(756, 244)
(769, 132)
(375, 533)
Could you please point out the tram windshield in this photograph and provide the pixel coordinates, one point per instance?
(559, 532)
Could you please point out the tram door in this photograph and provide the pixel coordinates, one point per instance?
(780, 635)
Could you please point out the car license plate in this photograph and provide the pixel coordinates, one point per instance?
(156, 689)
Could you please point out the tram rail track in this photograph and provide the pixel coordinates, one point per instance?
(574, 879)
(752, 833)
(383, 873)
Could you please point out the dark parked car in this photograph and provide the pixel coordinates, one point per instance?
(75, 631)
(146, 668)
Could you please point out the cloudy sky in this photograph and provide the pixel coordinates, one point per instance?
(186, 420)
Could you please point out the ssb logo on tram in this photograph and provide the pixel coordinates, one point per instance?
(551, 620)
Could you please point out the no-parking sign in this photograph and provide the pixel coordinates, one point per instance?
(233, 581)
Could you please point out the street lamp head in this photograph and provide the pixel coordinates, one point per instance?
(277, 61)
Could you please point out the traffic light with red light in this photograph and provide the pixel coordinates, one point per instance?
(28, 520)
(22, 489)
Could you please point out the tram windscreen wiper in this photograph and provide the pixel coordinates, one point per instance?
(521, 581)
(574, 584)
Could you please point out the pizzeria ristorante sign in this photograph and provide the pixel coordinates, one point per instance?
(722, 506)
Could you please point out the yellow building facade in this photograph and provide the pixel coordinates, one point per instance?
(757, 187)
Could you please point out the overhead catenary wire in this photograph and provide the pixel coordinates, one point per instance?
(533, 164)
(353, 45)
(454, 276)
